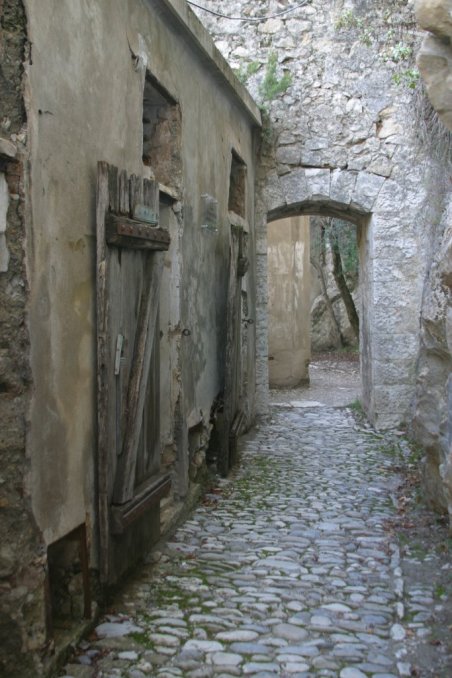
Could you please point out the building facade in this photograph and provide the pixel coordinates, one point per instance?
(127, 282)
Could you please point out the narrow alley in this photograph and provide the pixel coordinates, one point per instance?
(290, 567)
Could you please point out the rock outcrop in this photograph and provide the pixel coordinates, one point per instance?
(433, 404)
(435, 55)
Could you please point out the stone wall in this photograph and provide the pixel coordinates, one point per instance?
(344, 143)
(22, 561)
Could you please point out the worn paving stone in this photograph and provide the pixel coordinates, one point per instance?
(291, 571)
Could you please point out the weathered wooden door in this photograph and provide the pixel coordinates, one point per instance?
(130, 254)
(234, 415)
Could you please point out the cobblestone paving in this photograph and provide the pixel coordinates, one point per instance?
(287, 569)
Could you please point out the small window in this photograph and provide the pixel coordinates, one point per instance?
(161, 133)
(237, 196)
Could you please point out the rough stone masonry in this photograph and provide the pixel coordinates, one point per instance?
(22, 555)
(354, 136)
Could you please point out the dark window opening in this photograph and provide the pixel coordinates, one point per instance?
(237, 192)
(161, 133)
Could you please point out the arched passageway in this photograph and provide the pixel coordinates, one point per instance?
(313, 298)
(390, 297)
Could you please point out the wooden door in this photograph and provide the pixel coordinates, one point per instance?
(130, 257)
(234, 417)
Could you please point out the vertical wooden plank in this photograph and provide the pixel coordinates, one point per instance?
(113, 197)
(102, 206)
(152, 415)
(151, 195)
(232, 375)
(124, 193)
(136, 192)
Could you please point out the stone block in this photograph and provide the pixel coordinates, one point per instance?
(394, 372)
(395, 316)
(391, 404)
(388, 201)
(395, 346)
(366, 190)
(318, 181)
(342, 186)
(271, 26)
(274, 193)
(295, 187)
(406, 250)
(288, 155)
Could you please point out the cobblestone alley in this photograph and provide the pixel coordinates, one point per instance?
(289, 568)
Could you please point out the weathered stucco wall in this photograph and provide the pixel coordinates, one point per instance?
(83, 87)
(346, 144)
(85, 105)
(289, 342)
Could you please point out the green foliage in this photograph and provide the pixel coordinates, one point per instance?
(400, 52)
(271, 86)
(348, 20)
(240, 74)
(141, 638)
(408, 77)
(245, 72)
(253, 67)
(356, 406)
(440, 591)
(401, 55)
(366, 37)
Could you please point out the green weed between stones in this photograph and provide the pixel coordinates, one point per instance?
(347, 20)
(245, 72)
(272, 86)
(440, 591)
(142, 639)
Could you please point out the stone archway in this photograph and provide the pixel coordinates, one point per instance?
(389, 319)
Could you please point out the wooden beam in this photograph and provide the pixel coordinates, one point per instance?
(133, 234)
(145, 498)
(102, 207)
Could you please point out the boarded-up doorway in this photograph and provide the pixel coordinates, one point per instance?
(130, 253)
